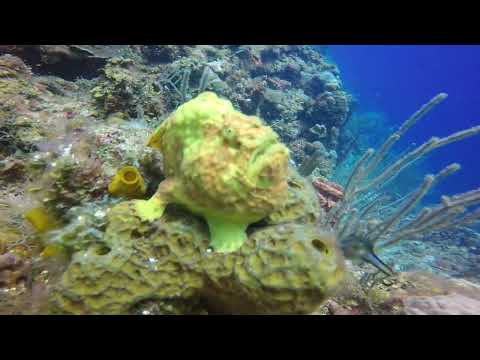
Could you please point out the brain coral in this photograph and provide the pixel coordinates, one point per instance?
(221, 164)
(282, 268)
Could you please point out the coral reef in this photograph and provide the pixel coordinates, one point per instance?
(64, 141)
(320, 163)
(280, 84)
(72, 117)
(332, 107)
(124, 88)
(66, 61)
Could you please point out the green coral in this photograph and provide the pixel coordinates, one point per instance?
(220, 164)
(123, 89)
(17, 133)
(301, 205)
(69, 182)
(284, 268)
(14, 80)
(85, 226)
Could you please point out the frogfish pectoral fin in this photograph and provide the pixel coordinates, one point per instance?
(150, 210)
(153, 209)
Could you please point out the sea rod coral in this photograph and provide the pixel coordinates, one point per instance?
(359, 227)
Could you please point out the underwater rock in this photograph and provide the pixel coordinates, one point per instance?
(83, 227)
(331, 108)
(301, 204)
(285, 268)
(124, 87)
(66, 61)
(453, 304)
(12, 169)
(15, 77)
(428, 294)
(58, 86)
(405, 293)
(167, 267)
(320, 163)
(12, 67)
(18, 131)
(69, 182)
(163, 53)
(14, 268)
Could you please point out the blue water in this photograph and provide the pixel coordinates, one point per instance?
(397, 80)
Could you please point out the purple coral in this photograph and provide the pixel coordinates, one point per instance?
(12, 270)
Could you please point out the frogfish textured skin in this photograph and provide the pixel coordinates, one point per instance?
(283, 268)
(220, 164)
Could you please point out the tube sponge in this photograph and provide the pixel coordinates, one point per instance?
(128, 183)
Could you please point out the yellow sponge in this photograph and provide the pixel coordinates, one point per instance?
(128, 183)
(40, 219)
